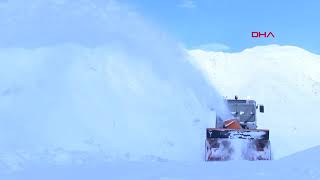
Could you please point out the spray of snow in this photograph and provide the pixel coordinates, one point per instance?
(246, 149)
(94, 76)
(237, 145)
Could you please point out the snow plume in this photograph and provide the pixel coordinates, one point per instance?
(94, 76)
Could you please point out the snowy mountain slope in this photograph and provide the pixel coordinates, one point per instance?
(285, 79)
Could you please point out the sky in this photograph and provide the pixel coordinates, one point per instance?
(226, 25)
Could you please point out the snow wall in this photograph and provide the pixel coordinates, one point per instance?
(94, 76)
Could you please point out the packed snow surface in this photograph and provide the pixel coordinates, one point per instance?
(303, 165)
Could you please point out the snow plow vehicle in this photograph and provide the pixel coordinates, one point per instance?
(238, 138)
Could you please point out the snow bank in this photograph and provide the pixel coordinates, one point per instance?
(285, 79)
(310, 155)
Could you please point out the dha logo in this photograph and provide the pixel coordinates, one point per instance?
(262, 34)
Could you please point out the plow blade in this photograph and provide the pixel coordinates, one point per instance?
(237, 144)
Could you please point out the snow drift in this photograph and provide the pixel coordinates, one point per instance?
(285, 79)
